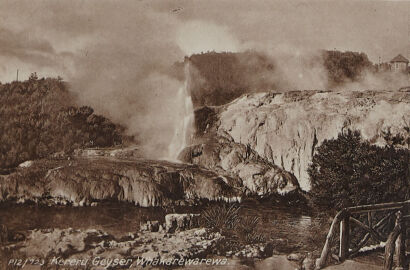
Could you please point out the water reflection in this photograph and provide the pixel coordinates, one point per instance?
(297, 229)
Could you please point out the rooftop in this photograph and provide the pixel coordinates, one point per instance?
(399, 58)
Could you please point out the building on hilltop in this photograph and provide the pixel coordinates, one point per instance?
(399, 63)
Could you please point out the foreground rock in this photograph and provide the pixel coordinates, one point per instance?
(82, 181)
(283, 130)
(98, 250)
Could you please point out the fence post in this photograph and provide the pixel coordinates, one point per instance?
(321, 262)
(391, 245)
(344, 237)
(401, 243)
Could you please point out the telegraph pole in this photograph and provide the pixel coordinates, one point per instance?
(17, 78)
(408, 30)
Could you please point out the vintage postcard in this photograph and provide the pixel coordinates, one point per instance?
(204, 134)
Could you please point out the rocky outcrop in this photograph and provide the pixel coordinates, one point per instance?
(266, 136)
(151, 226)
(131, 152)
(181, 222)
(215, 149)
(142, 182)
(258, 176)
(173, 223)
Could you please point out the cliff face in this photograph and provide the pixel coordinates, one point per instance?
(285, 128)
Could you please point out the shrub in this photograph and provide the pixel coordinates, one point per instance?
(247, 230)
(238, 230)
(221, 217)
(349, 171)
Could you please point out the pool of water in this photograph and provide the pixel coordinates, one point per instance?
(295, 229)
(117, 219)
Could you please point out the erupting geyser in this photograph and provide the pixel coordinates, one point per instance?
(184, 126)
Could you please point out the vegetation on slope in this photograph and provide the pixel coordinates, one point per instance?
(349, 171)
(222, 77)
(345, 67)
(218, 78)
(38, 118)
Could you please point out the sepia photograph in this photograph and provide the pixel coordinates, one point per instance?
(204, 134)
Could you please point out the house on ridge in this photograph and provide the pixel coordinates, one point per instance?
(399, 63)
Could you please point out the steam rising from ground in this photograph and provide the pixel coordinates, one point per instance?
(296, 68)
(118, 56)
(385, 80)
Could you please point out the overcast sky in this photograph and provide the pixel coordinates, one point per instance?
(67, 37)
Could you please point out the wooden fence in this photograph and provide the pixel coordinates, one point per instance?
(390, 231)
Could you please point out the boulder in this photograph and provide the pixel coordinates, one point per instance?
(26, 164)
(150, 226)
(295, 257)
(261, 250)
(181, 222)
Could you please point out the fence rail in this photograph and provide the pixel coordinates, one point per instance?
(394, 242)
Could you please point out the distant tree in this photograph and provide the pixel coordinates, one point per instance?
(33, 77)
(399, 139)
(350, 171)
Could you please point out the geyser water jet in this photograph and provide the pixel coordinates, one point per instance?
(184, 126)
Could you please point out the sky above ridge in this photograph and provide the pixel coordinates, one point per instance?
(67, 37)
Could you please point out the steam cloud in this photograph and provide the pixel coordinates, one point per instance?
(117, 56)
